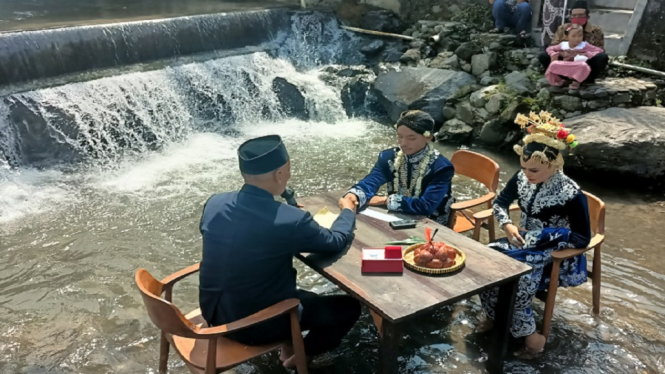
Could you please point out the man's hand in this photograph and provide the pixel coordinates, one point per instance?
(348, 203)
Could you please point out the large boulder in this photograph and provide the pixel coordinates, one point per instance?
(621, 141)
(290, 98)
(359, 100)
(419, 88)
(382, 20)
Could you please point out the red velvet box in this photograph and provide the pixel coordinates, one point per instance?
(382, 260)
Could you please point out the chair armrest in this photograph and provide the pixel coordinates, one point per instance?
(487, 213)
(176, 277)
(472, 203)
(565, 254)
(261, 316)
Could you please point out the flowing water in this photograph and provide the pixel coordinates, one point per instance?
(115, 172)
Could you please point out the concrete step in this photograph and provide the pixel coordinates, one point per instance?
(614, 4)
(611, 20)
(613, 44)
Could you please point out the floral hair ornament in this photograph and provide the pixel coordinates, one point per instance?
(547, 130)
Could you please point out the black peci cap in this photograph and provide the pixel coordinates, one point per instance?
(262, 155)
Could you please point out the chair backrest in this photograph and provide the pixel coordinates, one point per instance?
(596, 214)
(477, 167)
(163, 313)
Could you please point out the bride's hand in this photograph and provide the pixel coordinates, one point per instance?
(513, 235)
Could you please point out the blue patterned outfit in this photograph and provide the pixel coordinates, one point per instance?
(555, 216)
(435, 193)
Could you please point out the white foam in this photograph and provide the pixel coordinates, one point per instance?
(33, 192)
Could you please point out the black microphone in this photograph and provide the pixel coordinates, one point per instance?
(290, 196)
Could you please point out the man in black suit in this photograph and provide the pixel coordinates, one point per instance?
(249, 241)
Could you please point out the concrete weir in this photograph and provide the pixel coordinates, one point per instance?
(30, 55)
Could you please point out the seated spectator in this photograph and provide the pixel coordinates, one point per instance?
(569, 59)
(512, 14)
(592, 34)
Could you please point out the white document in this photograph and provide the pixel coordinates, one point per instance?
(374, 254)
(378, 215)
(325, 218)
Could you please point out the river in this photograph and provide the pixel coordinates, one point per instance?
(72, 234)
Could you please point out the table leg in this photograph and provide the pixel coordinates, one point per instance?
(502, 321)
(388, 347)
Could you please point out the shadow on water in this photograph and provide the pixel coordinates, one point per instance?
(72, 235)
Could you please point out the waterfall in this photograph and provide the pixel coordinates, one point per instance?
(102, 120)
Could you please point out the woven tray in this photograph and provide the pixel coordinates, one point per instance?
(409, 252)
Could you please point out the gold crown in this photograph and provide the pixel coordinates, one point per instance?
(546, 129)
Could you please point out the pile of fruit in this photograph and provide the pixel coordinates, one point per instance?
(434, 255)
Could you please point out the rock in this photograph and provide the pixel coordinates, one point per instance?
(419, 88)
(598, 104)
(495, 103)
(467, 67)
(569, 103)
(417, 34)
(509, 114)
(488, 81)
(359, 100)
(493, 133)
(373, 48)
(455, 9)
(417, 44)
(465, 113)
(543, 82)
(621, 98)
(467, 50)
(507, 39)
(411, 56)
(601, 93)
(483, 63)
(382, 20)
(455, 131)
(465, 91)
(519, 82)
(481, 115)
(447, 44)
(621, 141)
(587, 95)
(496, 46)
(571, 115)
(485, 74)
(544, 94)
(436, 9)
(441, 62)
(290, 98)
(444, 33)
(612, 91)
(449, 112)
(479, 98)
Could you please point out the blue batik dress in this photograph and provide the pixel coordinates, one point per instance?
(554, 216)
(434, 195)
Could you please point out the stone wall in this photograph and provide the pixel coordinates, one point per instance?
(649, 41)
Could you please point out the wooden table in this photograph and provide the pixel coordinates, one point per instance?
(398, 298)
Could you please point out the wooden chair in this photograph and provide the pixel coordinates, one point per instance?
(484, 170)
(597, 221)
(204, 349)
